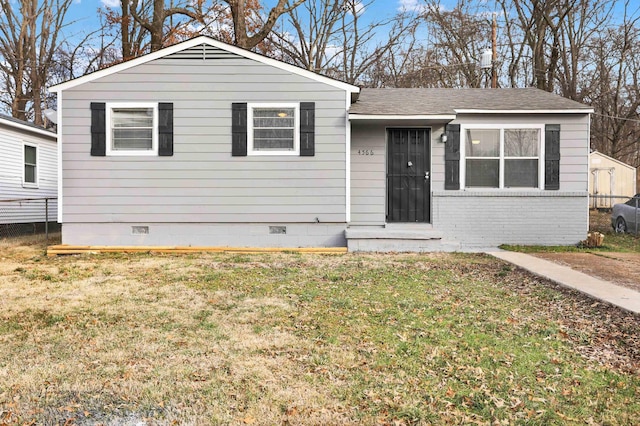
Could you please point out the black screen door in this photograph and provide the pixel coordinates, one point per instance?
(408, 175)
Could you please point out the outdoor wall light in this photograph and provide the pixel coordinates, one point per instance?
(443, 138)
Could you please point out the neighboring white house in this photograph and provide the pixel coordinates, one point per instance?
(28, 172)
(207, 144)
(611, 181)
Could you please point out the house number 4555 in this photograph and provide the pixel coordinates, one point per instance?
(365, 152)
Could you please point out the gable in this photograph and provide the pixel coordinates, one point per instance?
(202, 48)
(598, 159)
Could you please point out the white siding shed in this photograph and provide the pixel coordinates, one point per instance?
(610, 181)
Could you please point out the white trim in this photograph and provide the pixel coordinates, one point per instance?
(501, 128)
(587, 210)
(109, 129)
(347, 140)
(210, 42)
(524, 111)
(296, 131)
(59, 138)
(446, 117)
(36, 184)
(26, 127)
(347, 127)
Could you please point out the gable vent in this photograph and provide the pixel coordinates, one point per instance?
(203, 52)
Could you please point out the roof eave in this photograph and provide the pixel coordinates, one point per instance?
(525, 111)
(27, 128)
(433, 117)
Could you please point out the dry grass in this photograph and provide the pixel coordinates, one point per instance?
(303, 339)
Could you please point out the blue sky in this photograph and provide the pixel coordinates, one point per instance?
(84, 12)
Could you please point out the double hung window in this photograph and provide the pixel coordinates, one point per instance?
(132, 129)
(273, 129)
(503, 157)
(30, 176)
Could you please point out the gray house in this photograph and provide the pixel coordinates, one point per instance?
(206, 144)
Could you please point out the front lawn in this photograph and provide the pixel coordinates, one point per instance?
(305, 339)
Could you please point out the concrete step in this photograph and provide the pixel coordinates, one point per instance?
(394, 238)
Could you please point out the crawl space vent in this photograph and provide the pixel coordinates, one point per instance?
(278, 230)
(139, 230)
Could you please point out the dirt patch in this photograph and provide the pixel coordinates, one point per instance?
(619, 268)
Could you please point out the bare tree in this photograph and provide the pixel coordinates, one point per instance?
(459, 36)
(614, 86)
(329, 36)
(582, 25)
(160, 13)
(30, 32)
(310, 38)
(120, 25)
(91, 52)
(244, 35)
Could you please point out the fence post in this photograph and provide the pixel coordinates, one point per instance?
(46, 219)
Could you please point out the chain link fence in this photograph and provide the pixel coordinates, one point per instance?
(28, 216)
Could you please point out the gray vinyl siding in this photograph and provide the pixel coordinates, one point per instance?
(368, 172)
(202, 182)
(482, 218)
(574, 144)
(11, 174)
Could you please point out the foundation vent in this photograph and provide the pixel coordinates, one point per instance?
(278, 230)
(139, 230)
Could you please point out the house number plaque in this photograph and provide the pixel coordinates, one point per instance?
(365, 152)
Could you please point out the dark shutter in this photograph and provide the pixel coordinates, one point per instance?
(98, 133)
(307, 129)
(552, 157)
(452, 157)
(165, 129)
(239, 129)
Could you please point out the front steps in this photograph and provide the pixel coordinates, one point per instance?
(397, 237)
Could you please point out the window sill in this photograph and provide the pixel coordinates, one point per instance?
(267, 153)
(30, 185)
(131, 154)
(509, 193)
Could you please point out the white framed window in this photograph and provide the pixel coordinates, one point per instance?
(30, 163)
(495, 156)
(273, 129)
(132, 129)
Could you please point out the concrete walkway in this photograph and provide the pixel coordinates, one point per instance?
(598, 289)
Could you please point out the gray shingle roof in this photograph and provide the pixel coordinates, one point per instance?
(446, 101)
(25, 123)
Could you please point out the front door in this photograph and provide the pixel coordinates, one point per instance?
(408, 175)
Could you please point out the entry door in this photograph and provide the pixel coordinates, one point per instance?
(408, 175)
